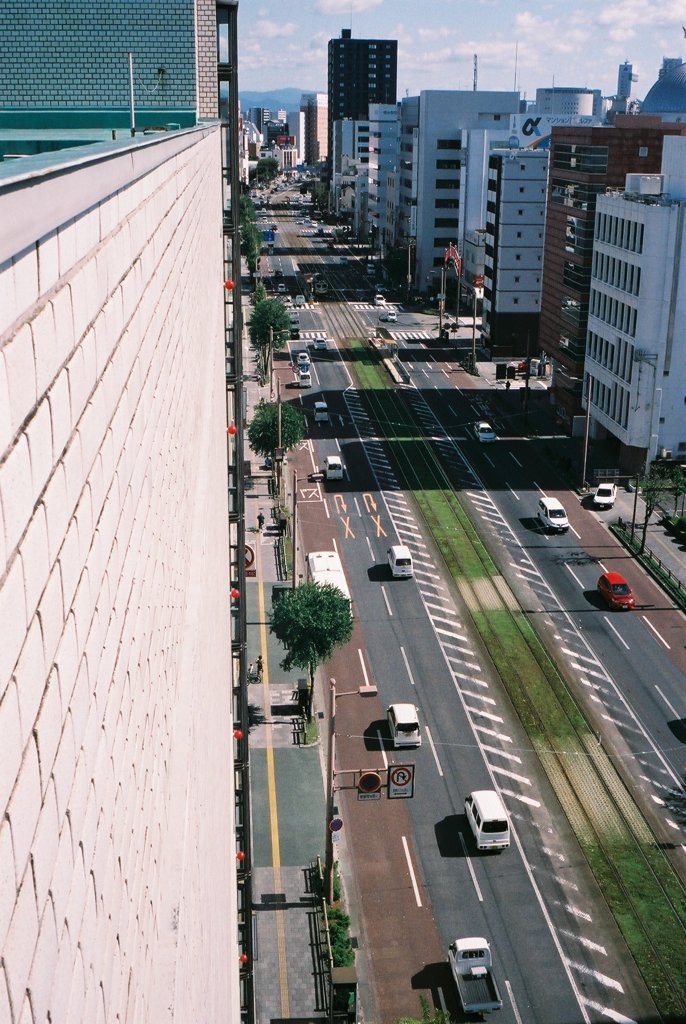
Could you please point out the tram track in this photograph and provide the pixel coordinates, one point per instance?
(644, 893)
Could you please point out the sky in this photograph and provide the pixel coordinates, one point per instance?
(283, 43)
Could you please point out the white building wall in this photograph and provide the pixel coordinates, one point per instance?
(117, 895)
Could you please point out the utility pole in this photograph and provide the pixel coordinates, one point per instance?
(441, 303)
(294, 526)
(330, 775)
(526, 379)
(474, 333)
(587, 426)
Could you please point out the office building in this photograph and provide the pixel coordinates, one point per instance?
(445, 141)
(515, 220)
(360, 72)
(635, 370)
(565, 100)
(122, 651)
(315, 108)
(384, 135)
(584, 162)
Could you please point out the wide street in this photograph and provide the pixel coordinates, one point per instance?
(419, 882)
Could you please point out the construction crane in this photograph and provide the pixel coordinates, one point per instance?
(476, 70)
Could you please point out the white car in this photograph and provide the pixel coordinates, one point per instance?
(484, 432)
(403, 725)
(303, 358)
(300, 300)
(379, 300)
(281, 287)
(390, 316)
(320, 344)
(605, 496)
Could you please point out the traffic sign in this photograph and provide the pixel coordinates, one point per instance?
(336, 824)
(250, 569)
(401, 782)
(369, 782)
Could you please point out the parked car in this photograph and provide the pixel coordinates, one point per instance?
(484, 431)
(389, 316)
(379, 300)
(615, 591)
(605, 496)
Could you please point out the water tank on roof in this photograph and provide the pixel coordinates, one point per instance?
(645, 184)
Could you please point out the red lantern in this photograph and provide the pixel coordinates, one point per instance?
(232, 429)
(229, 285)
(243, 959)
(238, 734)
(235, 594)
(240, 855)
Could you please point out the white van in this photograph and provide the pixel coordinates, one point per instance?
(488, 820)
(321, 412)
(333, 467)
(304, 379)
(403, 725)
(552, 516)
(400, 561)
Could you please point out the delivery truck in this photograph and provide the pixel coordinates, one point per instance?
(472, 967)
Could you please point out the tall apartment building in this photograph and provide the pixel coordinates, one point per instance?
(121, 652)
(513, 267)
(360, 72)
(315, 108)
(445, 141)
(584, 162)
(635, 370)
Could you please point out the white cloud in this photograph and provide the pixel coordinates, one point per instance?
(344, 7)
(275, 30)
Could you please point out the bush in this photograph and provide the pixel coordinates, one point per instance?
(341, 946)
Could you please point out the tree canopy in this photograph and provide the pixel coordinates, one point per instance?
(311, 621)
(655, 488)
(265, 170)
(251, 243)
(263, 429)
(266, 314)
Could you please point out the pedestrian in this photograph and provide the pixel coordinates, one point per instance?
(507, 385)
(260, 522)
(251, 672)
(259, 668)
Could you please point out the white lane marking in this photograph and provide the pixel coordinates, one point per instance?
(572, 573)
(538, 487)
(577, 535)
(576, 912)
(364, 669)
(491, 732)
(407, 666)
(326, 509)
(433, 750)
(520, 796)
(489, 460)
(660, 638)
(471, 867)
(479, 696)
(513, 493)
(369, 545)
(502, 753)
(382, 748)
(411, 870)
(588, 943)
(385, 597)
(496, 719)
(604, 568)
(597, 976)
(511, 775)
(671, 708)
(617, 633)
(516, 460)
(515, 1008)
(605, 1011)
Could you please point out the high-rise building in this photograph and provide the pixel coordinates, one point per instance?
(557, 100)
(635, 371)
(583, 163)
(384, 134)
(625, 80)
(314, 107)
(513, 268)
(122, 656)
(361, 71)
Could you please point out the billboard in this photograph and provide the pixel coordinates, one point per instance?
(532, 131)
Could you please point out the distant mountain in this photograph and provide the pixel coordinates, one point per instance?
(286, 99)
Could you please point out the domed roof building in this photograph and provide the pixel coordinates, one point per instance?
(667, 98)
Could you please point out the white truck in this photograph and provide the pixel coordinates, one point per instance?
(472, 967)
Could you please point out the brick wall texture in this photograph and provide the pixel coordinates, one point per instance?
(117, 851)
(60, 53)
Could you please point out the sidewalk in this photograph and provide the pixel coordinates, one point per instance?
(286, 791)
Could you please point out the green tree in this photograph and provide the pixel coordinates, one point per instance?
(269, 324)
(265, 171)
(320, 197)
(654, 489)
(263, 429)
(247, 209)
(311, 621)
(260, 293)
(678, 478)
(251, 243)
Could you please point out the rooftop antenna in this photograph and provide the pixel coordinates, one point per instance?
(476, 71)
(514, 83)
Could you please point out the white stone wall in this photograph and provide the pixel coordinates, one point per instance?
(117, 856)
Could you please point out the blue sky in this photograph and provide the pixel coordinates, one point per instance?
(283, 43)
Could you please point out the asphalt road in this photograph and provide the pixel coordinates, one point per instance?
(420, 883)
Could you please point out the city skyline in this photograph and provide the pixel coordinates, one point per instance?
(527, 46)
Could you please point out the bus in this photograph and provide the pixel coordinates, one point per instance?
(325, 567)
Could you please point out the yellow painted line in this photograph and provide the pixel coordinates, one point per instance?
(271, 798)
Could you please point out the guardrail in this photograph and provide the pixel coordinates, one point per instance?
(660, 572)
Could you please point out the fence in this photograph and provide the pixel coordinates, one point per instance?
(660, 572)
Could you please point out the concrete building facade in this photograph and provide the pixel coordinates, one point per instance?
(384, 133)
(636, 356)
(314, 106)
(559, 100)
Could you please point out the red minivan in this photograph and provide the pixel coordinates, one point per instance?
(615, 591)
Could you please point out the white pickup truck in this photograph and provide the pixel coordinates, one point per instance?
(472, 967)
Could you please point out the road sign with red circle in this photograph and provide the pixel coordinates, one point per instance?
(250, 569)
(336, 824)
(369, 782)
(400, 781)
